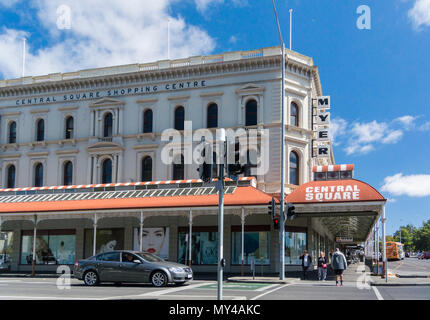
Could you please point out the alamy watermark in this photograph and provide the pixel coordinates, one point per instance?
(64, 17)
(364, 21)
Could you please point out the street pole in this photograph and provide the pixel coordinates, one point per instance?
(384, 249)
(221, 140)
(282, 231)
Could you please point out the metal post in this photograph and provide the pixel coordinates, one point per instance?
(222, 140)
(142, 218)
(384, 250)
(189, 238)
(33, 263)
(377, 249)
(282, 231)
(94, 235)
(243, 240)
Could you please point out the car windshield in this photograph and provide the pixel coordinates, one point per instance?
(149, 257)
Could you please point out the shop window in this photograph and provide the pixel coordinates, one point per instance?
(11, 172)
(69, 128)
(204, 246)
(147, 169)
(6, 244)
(251, 113)
(106, 240)
(68, 173)
(108, 125)
(107, 171)
(52, 247)
(294, 168)
(212, 117)
(294, 114)
(256, 246)
(295, 245)
(12, 132)
(179, 118)
(40, 130)
(38, 175)
(147, 121)
(154, 240)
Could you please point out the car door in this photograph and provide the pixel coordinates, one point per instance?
(131, 270)
(108, 267)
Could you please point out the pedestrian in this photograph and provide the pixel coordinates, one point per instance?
(339, 265)
(322, 267)
(306, 262)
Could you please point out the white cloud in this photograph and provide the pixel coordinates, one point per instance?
(393, 137)
(103, 33)
(337, 129)
(413, 185)
(202, 5)
(420, 13)
(425, 126)
(407, 121)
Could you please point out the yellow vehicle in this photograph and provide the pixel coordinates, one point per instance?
(395, 251)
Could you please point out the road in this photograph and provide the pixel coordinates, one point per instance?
(44, 289)
(410, 267)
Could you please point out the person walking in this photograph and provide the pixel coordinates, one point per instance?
(339, 265)
(322, 267)
(306, 262)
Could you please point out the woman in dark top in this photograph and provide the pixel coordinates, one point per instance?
(322, 267)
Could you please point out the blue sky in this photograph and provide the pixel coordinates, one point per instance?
(377, 78)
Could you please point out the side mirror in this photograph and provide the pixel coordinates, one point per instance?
(137, 261)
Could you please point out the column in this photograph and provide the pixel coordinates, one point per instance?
(92, 123)
(95, 234)
(190, 237)
(243, 240)
(141, 231)
(33, 264)
(119, 168)
(95, 170)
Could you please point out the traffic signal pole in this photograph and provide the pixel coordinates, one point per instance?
(221, 139)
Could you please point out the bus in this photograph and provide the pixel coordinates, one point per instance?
(395, 251)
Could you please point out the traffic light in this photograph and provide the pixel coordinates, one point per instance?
(205, 169)
(290, 211)
(272, 208)
(235, 168)
(276, 224)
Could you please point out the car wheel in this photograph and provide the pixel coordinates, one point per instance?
(159, 279)
(91, 278)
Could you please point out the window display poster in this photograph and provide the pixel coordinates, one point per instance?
(295, 245)
(204, 248)
(6, 241)
(106, 240)
(154, 240)
(256, 247)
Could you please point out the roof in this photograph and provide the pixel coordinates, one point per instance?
(346, 191)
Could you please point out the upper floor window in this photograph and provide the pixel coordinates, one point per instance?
(179, 118)
(107, 171)
(108, 125)
(251, 113)
(69, 128)
(11, 176)
(212, 118)
(294, 115)
(147, 169)
(68, 173)
(40, 130)
(38, 175)
(147, 121)
(178, 170)
(12, 132)
(294, 168)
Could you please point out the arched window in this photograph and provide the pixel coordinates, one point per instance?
(40, 135)
(212, 118)
(251, 113)
(147, 169)
(179, 118)
(69, 128)
(294, 168)
(147, 121)
(12, 132)
(178, 170)
(68, 173)
(11, 176)
(107, 125)
(38, 175)
(294, 114)
(107, 171)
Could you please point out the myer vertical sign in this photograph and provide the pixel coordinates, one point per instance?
(323, 123)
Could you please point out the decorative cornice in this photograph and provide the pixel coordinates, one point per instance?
(146, 146)
(38, 154)
(65, 152)
(211, 94)
(181, 97)
(39, 111)
(10, 156)
(149, 100)
(10, 114)
(68, 108)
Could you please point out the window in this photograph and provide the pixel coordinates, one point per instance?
(69, 128)
(179, 118)
(147, 169)
(6, 244)
(38, 175)
(147, 121)
(178, 170)
(106, 240)
(107, 125)
(11, 176)
(68, 173)
(12, 132)
(204, 245)
(212, 117)
(295, 245)
(111, 256)
(52, 247)
(40, 135)
(256, 246)
(294, 168)
(107, 171)
(251, 113)
(294, 115)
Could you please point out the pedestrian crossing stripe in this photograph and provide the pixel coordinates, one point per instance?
(237, 286)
